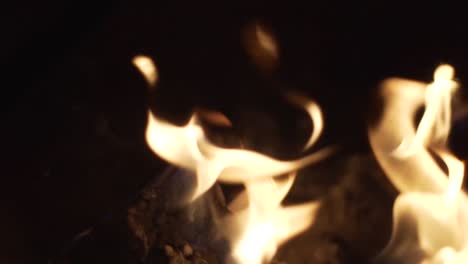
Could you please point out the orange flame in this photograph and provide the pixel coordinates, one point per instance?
(431, 202)
(147, 68)
(259, 224)
(261, 46)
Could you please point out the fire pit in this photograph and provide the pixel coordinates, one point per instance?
(202, 226)
(262, 151)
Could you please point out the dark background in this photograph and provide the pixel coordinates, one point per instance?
(74, 108)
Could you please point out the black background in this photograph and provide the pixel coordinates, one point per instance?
(74, 108)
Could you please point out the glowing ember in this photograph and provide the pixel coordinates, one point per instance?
(258, 223)
(430, 204)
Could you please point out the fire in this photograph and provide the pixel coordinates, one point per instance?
(430, 214)
(147, 68)
(261, 46)
(265, 223)
(258, 223)
(431, 203)
(266, 41)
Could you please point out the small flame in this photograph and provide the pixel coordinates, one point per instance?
(265, 224)
(214, 117)
(315, 115)
(266, 41)
(436, 118)
(264, 232)
(147, 68)
(261, 46)
(431, 201)
(258, 223)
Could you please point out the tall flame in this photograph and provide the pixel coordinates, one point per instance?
(431, 213)
(258, 223)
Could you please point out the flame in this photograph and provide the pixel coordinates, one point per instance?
(261, 46)
(264, 233)
(266, 41)
(258, 224)
(147, 68)
(315, 115)
(266, 224)
(437, 114)
(432, 204)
